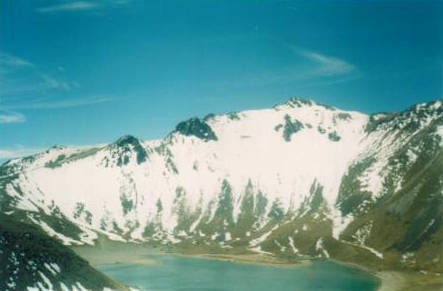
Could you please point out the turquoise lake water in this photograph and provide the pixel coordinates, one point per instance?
(175, 273)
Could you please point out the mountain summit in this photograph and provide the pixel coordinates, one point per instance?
(301, 179)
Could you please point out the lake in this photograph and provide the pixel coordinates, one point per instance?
(177, 273)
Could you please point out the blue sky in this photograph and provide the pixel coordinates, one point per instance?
(88, 72)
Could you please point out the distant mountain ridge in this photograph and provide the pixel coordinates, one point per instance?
(298, 180)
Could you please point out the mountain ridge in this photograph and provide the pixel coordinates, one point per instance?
(300, 179)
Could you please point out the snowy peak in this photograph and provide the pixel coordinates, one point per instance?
(124, 150)
(431, 108)
(297, 102)
(196, 127)
(295, 118)
(411, 120)
(126, 141)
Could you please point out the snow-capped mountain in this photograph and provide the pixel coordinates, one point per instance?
(300, 179)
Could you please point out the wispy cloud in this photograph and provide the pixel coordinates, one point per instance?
(7, 116)
(309, 67)
(327, 65)
(19, 76)
(63, 103)
(23, 85)
(37, 83)
(79, 6)
(53, 83)
(10, 61)
(67, 7)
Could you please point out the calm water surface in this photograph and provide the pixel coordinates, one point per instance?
(175, 273)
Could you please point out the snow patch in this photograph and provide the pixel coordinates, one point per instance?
(258, 249)
(282, 248)
(340, 223)
(262, 238)
(11, 284)
(372, 250)
(439, 131)
(79, 286)
(412, 156)
(46, 281)
(46, 228)
(53, 268)
(291, 244)
(371, 180)
(408, 257)
(363, 233)
(319, 247)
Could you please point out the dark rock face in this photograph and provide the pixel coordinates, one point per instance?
(196, 127)
(125, 145)
(127, 140)
(291, 127)
(30, 258)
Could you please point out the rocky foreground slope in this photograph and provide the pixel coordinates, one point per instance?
(32, 261)
(298, 180)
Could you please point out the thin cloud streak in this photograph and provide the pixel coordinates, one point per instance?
(321, 70)
(327, 65)
(7, 116)
(82, 6)
(53, 83)
(66, 103)
(19, 76)
(10, 63)
(40, 83)
(13, 61)
(69, 7)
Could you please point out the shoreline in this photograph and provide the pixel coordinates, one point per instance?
(253, 259)
(139, 254)
(143, 256)
(97, 256)
(388, 280)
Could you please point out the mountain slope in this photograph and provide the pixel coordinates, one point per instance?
(300, 179)
(33, 261)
